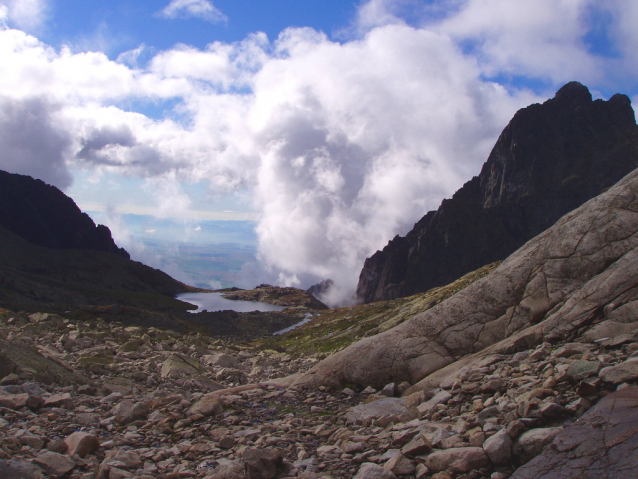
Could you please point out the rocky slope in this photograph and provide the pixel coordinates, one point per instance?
(92, 399)
(45, 216)
(579, 272)
(550, 159)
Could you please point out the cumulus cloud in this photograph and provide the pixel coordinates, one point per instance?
(25, 14)
(201, 9)
(342, 145)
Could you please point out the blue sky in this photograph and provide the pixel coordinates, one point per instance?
(124, 25)
(332, 125)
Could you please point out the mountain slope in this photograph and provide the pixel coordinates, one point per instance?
(550, 159)
(579, 272)
(34, 277)
(45, 216)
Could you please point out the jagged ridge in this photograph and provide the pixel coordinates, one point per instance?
(45, 216)
(549, 160)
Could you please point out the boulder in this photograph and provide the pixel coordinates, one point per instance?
(127, 412)
(369, 470)
(385, 410)
(54, 464)
(177, 365)
(499, 448)
(261, 463)
(19, 469)
(531, 443)
(208, 405)
(602, 443)
(457, 460)
(81, 444)
(620, 373)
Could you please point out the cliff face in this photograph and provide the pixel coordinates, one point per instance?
(45, 216)
(549, 160)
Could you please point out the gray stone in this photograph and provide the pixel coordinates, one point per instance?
(54, 464)
(17, 469)
(127, 412)
(369, 470)
(499, 448)
(620, 373)
(386, 409)
(429, 406)
(457, 460)
(81, 444)
(579, 370)
(531, 443)
(261, 463)
(177, 366)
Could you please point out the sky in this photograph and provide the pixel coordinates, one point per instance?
(333, 125)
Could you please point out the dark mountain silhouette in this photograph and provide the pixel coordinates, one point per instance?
(45, 216)
(549, 160)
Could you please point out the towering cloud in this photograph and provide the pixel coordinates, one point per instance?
(342, 145)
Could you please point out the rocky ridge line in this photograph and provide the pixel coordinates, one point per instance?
(549, 160)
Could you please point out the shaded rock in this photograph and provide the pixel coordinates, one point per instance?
(369, 470)
(261, 463)
(399, 465)
(457, 460)
(620, 373)
(123, 459)
(17, 469)
(63, 400)
(579, 370)
(23, 360)
(601, 444)
(127, 412)
(221, 360)
(429, 406)
(81, 444)
(177, 365)
(531, 443)
(54, 464)
(209, 405)
(499, 448)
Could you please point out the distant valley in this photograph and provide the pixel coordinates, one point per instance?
(204, 254)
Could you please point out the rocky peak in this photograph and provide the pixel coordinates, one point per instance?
(550, 159)
(45, 216)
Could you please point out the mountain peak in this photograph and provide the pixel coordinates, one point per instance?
(550, 159)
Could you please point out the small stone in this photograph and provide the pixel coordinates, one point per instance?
(388, 390)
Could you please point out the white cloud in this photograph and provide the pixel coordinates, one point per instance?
(26, 14)
(202, 9)
(342, 145)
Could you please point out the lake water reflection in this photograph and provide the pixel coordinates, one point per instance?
(215, 302)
